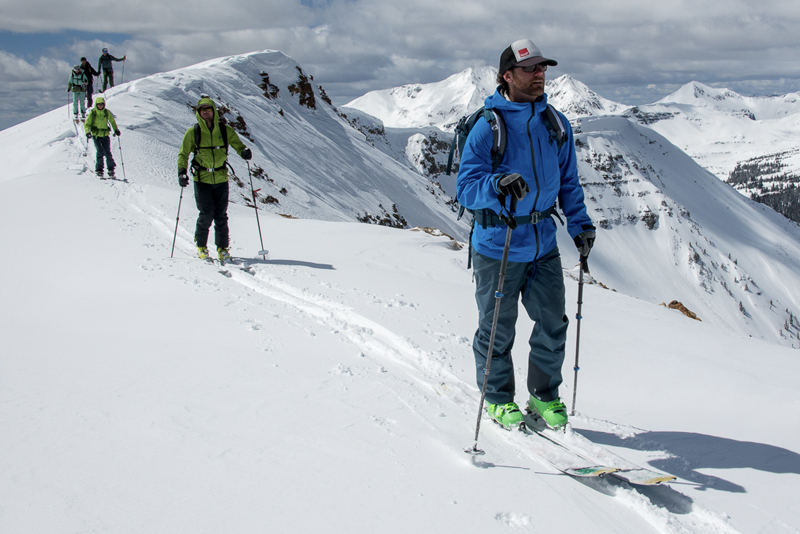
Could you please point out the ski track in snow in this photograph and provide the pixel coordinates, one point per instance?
(665, 508)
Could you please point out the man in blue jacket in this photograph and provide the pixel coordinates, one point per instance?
(537, 171)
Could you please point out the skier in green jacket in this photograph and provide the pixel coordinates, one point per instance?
(210, 172)
(104, 65)
(99, 125)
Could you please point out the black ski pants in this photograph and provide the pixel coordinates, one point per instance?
(102, 145)
(108, 77)
(212, 203)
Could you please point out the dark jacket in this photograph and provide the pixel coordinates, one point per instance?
(104, 63)
(90, 73)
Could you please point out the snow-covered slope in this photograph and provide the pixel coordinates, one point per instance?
(308, 161)
(671, 230)
(330, 387)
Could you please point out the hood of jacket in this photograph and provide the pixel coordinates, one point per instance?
(99, 100)
(200, 121)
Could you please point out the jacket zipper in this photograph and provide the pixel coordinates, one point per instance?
(535, 175)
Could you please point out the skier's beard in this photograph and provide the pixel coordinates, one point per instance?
(533, 88)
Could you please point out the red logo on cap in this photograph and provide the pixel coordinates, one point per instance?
(523, 52)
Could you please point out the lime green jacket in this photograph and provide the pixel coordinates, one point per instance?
(211, 154)
(100, 122)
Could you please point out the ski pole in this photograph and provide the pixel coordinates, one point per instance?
(122, 160)
(578, 317)
(261, 252)
(177, 218)
(122, 76)
(474, 450)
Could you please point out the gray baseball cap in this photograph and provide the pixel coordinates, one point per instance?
(523, 53)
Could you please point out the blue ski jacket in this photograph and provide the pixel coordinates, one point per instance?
(550, 172)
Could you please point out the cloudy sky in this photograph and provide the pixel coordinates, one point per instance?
(630, 51)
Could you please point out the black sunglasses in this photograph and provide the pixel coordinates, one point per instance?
(540, 66)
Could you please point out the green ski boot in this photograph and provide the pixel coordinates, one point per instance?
(554, 412)
(224, 255)
(508, 415)
(202, 252)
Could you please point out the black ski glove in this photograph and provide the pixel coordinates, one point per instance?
(511, 184)
(584, 242)
(88, 136)
(183, 178)
(246, 154)
(116, 132)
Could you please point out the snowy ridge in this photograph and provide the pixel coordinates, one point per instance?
(312, 162)
(143, 393)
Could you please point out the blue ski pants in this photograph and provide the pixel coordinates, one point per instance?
(539, 285)
(78, 98)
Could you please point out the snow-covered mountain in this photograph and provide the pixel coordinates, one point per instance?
(668, 223)
(331, 386)
(442, 104)
(438, 104)
(720, 128)
(308, 160)
(637, 183)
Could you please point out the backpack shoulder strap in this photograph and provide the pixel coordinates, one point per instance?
(223, 131)
(223, 128)
(499, 136)
(555, 125)
(465, 126)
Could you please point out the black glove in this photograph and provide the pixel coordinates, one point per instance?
(116, 132)
(88, 136)
(183, 178)
(585, 241)
(511, 184)
(246, 154)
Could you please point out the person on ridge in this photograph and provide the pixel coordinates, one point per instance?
(77, 84)
(90, 73)
(104, 65)
(210, 174)
(99, 124)
(537, 171)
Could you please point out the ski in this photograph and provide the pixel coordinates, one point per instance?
(589, 451)
(569, 463)
(554, 454)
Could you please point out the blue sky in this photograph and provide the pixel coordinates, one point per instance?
(626, 50)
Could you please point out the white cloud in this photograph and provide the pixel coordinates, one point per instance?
(353, 46)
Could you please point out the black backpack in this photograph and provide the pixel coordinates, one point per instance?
(488, 218)
(499, 140)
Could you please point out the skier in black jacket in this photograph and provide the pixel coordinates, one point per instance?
(90, 73)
